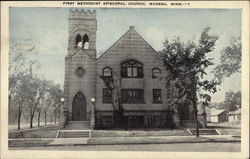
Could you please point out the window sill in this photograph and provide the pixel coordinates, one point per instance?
(133, 103)
(132, 77)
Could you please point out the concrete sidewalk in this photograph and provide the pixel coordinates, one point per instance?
(143, 140)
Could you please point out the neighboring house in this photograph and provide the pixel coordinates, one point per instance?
(136, 65)
(219, 115)
(234, 115)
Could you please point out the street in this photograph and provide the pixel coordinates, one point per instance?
(183, 147)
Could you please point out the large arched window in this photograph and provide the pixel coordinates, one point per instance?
(131, 69)
(107, 72)
(156, 72)
(78, 39)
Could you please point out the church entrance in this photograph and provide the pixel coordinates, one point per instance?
(79, 107)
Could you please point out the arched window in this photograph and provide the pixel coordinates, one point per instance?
(156, 72)
(78, 39)
(107, 72)
(131, 69)
(85, 40)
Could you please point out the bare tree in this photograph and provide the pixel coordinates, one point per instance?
(19, 59)
(114, 83)
(55, 94)
(40, 87)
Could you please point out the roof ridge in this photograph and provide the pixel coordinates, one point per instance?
(113, 44)
(130, 28)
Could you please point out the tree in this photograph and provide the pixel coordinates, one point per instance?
(54, 96)
(232, 100)
(186, 64)
(19, 60)
(39, 88)
(230, 60)
(46, 108)
(114, 84)
(24, 92)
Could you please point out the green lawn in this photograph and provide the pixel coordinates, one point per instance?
(227, 128)
(45, 132)
(138, 133)
(29, 143)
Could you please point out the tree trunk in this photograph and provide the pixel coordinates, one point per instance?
(50, 117)
(55, 117)
(196, 124)
(19, 116)
(31, 121)
(38, 121)
(118, 119)
(45, 117)
(194, 100)
(196, 118)
(59, 116)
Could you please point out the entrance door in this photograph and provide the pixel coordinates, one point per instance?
(79, 107)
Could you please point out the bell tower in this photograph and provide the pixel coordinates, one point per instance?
(82, 31)
(80, 65)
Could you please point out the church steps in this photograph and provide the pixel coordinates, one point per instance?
(205, 132)
(73, 134)
(77, 125)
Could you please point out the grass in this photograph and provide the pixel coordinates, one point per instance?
(227, 128)
(28, 143)
(45, 132)
(138, 133)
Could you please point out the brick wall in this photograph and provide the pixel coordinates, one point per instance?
(80, 22)
(133, 46)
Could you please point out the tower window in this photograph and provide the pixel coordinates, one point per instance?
(78, 40)
(156, 72)
(85, 41)
(132, 69)
(107, 72)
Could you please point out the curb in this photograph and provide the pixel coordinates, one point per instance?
(124, 142)
(54, 145)
(228, 141)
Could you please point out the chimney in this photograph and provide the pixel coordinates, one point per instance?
(131, 27)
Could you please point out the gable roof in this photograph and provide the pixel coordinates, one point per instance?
(238, 111)
(131, 30)
(217, 111)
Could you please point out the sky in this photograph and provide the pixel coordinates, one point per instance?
(48, 29)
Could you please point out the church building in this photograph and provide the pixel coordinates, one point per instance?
(132, 64)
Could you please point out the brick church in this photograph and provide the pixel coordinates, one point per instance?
(132, 63)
